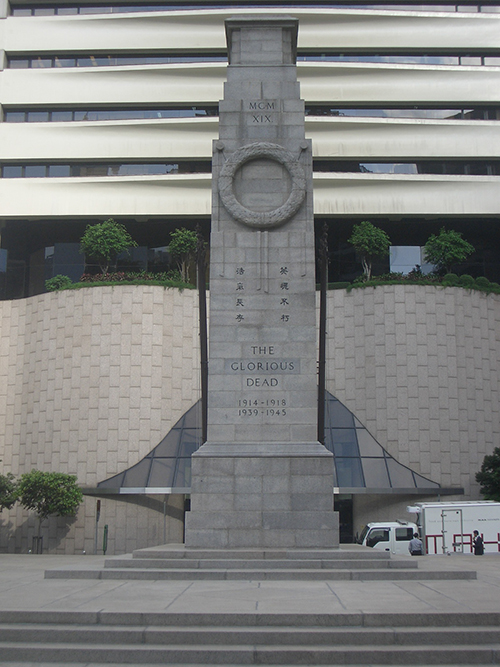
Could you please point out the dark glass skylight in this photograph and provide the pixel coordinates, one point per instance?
(359, 461)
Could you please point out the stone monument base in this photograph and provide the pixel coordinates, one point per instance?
(262, 495)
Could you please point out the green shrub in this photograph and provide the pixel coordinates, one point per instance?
(58, 282)
(339, 285)
(451, 279)
(482, 282)
(466, 280)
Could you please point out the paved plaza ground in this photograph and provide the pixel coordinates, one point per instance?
(23, 587)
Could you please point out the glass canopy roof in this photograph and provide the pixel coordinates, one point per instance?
(360, 463)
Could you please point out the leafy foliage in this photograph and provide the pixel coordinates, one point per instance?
(370, 242)
(8, 491)
(48, 493)
(466, 280)
(182, 248)
(489, 476)
(104, 241)
(57, 282)
(446, 249)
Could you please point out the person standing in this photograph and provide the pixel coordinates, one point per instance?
(478, 545)
(415, 546)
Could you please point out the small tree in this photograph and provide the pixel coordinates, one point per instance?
(370, 242)
(182, 248)
(8, 491)
(489, 476)
(104, 241)
(446, 249)
(49, 493)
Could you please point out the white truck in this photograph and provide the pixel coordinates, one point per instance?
(448, 527)
(393, 536)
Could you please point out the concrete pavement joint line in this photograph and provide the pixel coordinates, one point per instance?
(179, 595)
(336, 596)
(441, 594)
(70, 596)
(413, 594)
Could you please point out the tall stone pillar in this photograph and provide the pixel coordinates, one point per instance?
(262, 479)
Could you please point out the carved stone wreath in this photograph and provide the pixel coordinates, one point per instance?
(259, 219)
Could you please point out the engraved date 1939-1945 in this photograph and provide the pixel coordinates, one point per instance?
(270, 407)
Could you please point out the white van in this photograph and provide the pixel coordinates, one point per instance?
(393, 536)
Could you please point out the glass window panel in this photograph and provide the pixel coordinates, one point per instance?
(102, 61)
(59, 116)
(138, 474)
(94, 170)
(38, 116)
(437, 114)
(44, 11)
(344, 442)
(113, 482)
(454, 168)
(338, 415)
(162, 472)
(375, 473)
(15, 116)
(84, 62)
(59, 170)
(421, 482)
(37, 63)
(64, 62)
(192, 418)
(367, 444)
(65, 11)
(183, 473)
(400, 476)
(169, 446)
(141, 169)
(377, 535)
(478, 168)
(470, 60)
(191, 441)
(492, 61)
(349, 473)
(19, 63)
(35, 171)
(12, 171)
(18, 11)
(94, 10)
(388, 168)
(404, 534)
(403, 259)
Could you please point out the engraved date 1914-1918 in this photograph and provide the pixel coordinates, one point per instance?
(269, 407)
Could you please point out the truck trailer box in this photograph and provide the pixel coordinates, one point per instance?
(448, 527)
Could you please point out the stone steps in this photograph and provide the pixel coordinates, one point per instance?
(181, 552)
(114, 638)
(182, 563)
(248, 574)
(258, 564)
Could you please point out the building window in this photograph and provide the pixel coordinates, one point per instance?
(19, 116)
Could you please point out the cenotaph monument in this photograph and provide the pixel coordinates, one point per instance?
(262, 479)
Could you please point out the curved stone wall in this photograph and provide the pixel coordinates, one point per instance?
(92, 379)
(418, 365)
